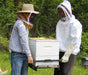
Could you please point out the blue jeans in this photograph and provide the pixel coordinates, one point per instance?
(19, 64)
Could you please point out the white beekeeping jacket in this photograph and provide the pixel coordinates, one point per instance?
(69, 32)
(68, 29)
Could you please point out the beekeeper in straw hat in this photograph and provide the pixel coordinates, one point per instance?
(68, 32)
(18, 45)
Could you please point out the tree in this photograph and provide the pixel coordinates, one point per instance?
(7, 16)
(81, 12)
(45, 22)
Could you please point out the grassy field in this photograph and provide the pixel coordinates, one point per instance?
(5, 64)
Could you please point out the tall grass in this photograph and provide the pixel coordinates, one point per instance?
(5, 64)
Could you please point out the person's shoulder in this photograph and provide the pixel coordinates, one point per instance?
(76, 24)
(19, 23)
(58, 23)
(75, 21)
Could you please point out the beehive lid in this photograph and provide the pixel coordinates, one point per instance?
(43, 39)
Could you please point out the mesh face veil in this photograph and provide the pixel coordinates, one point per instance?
(67, 15)
(66, 7)
(27, 23)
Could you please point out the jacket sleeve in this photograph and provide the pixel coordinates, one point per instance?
(76, 32)
(23, 37)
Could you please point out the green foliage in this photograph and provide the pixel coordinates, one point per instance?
(4, 43)
(7, 16)
(45, 22)
(81, 12)
(44, 26)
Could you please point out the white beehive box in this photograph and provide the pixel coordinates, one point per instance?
(45, 52)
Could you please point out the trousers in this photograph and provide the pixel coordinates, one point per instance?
(65, 68)
(19, 64)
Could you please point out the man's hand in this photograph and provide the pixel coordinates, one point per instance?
(68, 52)
(65, 59)
(30, 59)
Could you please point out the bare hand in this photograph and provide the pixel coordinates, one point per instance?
(30, 59)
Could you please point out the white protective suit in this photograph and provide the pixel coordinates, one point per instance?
(68, 31)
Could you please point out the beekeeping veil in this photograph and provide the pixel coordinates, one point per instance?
(66, 7)
(27, 8)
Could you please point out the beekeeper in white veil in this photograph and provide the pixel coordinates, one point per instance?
(68, 32)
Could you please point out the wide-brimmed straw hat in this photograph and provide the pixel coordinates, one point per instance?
(28, 8)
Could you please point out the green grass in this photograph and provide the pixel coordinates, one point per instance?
(5, 64)
(79, 69)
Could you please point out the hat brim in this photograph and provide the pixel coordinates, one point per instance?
(35, 12)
